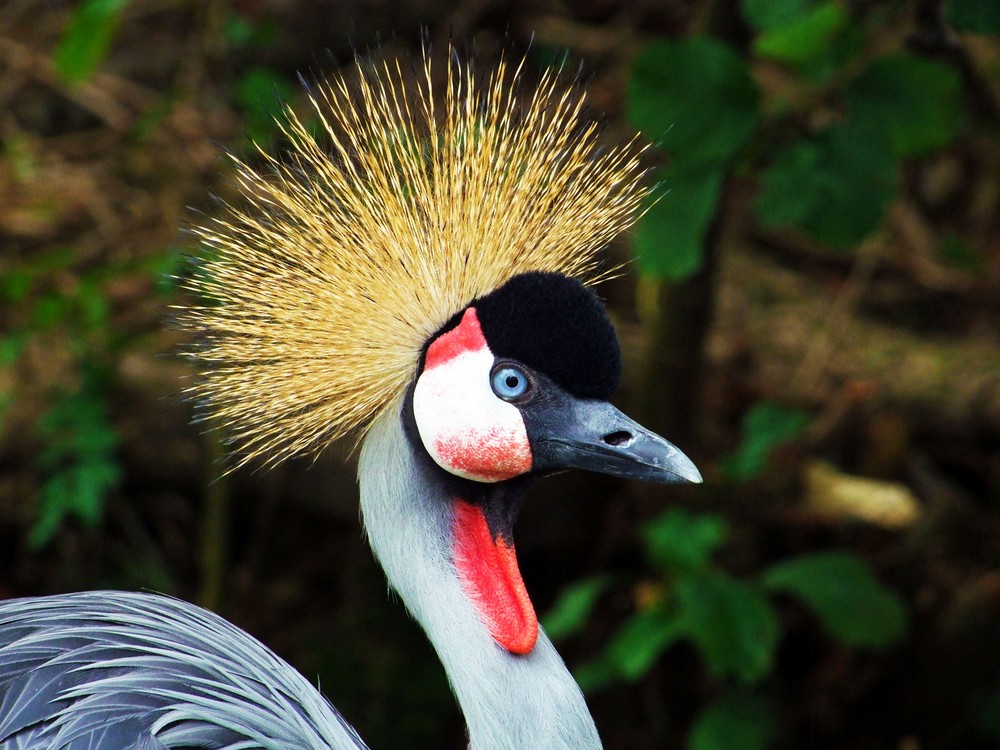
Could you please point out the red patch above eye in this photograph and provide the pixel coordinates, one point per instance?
(467, 336)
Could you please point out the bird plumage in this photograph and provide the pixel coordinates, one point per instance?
(347, 254)
(104, 670)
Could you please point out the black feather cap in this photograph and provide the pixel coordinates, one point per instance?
(553, 324)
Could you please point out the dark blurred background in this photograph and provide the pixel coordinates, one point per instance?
(810, 310)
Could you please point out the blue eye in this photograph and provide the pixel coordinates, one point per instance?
(510, 383)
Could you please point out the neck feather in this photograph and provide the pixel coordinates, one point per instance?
(510, 702)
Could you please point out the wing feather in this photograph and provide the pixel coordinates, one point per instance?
(115, 670)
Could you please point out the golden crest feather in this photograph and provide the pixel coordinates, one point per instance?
(351, 251)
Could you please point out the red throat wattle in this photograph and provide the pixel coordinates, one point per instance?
(491, 579)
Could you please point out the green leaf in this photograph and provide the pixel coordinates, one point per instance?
(18, 281)
(49, 310)
(767, 425)
(844, 594)
(837, 54)
(78, 460)
(92, 306)
(641, 640)
(696, 96)
(953, 251)
(916, 102)
(835, 186)
(974, 16)
(732, 623)
(681, 541)
(78, 491)
(88, 37)
(554, 56)
(167, 268)
(573, 606)
(764, 15)
(15, 285)
(240, 31)
(151, 118)
(261, 93)
(805, 37)
(594, 675)
(11, 347)
(669, 237)
(736, 720)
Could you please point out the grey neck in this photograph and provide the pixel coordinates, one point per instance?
(510, 702)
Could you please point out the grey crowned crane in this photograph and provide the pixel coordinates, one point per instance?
(415, 282)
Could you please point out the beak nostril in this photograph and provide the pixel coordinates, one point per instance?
(619, 438)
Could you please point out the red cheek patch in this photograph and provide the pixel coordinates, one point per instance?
(486, 456)
(491, 579)
(467, 336)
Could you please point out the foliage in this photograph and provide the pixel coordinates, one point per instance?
(77, 459)
(767, 425)
(732, 622)
(736, 720)
(822, 117)
(954, 252)
(261, 93)
(88, 37)
(682, 541)
(825, 149)
(834, 186)
(802, 35)
(843, 594)
(694, 96)
(575, 605)
(915, 103)
(974, 16)
(242, 32)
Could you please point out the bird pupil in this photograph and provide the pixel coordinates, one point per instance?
(512, 381)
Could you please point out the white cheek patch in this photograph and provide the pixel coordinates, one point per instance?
(465, 427)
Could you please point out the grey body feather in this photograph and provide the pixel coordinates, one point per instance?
(125, 671)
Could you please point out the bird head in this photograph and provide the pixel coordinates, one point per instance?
(519, 382)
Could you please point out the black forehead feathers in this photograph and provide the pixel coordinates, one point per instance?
(555, 325)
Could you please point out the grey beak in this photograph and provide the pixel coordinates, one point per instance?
(594, 435)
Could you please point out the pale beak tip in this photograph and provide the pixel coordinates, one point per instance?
(684, 468)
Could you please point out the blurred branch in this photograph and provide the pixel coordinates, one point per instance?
(113, 100)
(587, 40)
(808, 375)
(214, 528)
(953, 380)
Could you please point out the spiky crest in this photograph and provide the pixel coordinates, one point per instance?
(323, 288)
